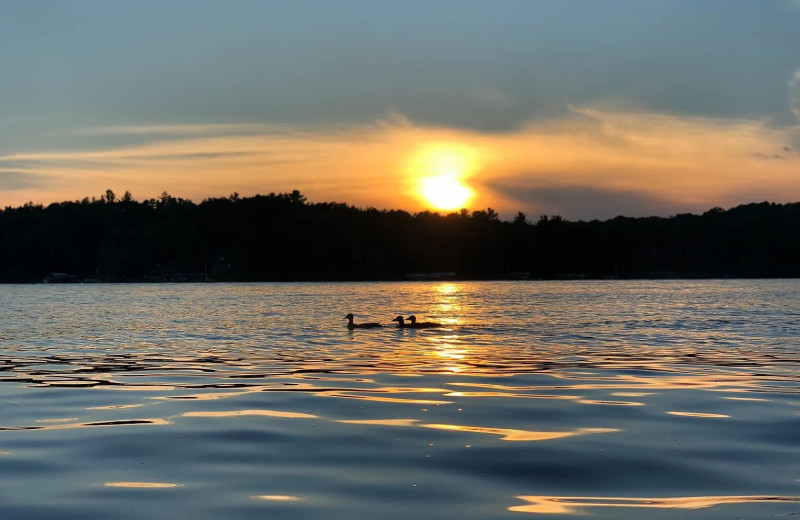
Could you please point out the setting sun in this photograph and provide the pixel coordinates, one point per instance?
(440, 170)
(445, 193)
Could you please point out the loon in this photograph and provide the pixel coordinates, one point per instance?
(401, 324)
(422, 324)
(351, 325)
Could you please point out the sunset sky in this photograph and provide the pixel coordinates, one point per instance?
(587, 109)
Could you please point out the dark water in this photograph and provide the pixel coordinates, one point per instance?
(540, 400)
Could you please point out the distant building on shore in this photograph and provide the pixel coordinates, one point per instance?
(444, 275)
(60, 278)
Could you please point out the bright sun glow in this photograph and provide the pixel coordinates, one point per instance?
(440, 170)
(445, 193)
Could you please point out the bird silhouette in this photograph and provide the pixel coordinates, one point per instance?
(401, 324)
(351, 325)
(422, 324)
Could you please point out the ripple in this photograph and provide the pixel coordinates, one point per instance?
(701, 414)
(509, 434)
(277, 498)
(573, 505)
(263, 413)
(69, 426)
(262, 397)
(143, 485)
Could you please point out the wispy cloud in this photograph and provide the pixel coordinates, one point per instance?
(794, 93)
(173, 129)
(492, 98)
(15, 180)
(571, 165)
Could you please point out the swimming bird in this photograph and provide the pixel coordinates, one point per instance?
(401, 324)
(351, 325)
(422, 324)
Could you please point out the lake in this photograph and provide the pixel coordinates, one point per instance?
(617, 399)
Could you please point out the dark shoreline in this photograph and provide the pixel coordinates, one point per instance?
(450, 280)
(285, 238)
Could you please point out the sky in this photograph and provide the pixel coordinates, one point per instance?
(586, 109)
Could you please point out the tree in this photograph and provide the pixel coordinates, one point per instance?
(520, 219)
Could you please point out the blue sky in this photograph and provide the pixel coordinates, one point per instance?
(109, 76)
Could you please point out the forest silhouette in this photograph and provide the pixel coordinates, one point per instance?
(283, 237)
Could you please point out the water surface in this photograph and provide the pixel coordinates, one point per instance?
(658, 399)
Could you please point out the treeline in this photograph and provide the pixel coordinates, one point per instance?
(284, 237)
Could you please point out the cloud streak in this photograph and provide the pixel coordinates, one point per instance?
(794, 93)
(175, 129)
(592, 163)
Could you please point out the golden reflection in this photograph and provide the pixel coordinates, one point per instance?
(508, 434)
(381, 422)
(449, 303)
(571, 505)
(114, 407)
(146, 485)
(70, 426)
(452, 353)
(747, 399)
(63, 383)
(210, 396)
(611, 403)
(452, 358)
(213, 396)
(141, 388)
(407, 390)
(277, 498)
(446, 288)
(722, 382)
(313, 377)
(494, 386)
(509, 394)
(264, 413)
(698, 414)
(383, 399)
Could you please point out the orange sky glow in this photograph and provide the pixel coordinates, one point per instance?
(691, 163)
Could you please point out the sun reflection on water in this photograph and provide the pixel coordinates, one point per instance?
(262, 413)
(506, 434)
(143, 485)
(452, 357)
(511, 434)
(448, 304)
(572, 505)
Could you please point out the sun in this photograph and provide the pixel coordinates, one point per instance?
(439, 170)
(445, 193)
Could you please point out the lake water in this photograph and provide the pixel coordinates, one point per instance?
(657, 399)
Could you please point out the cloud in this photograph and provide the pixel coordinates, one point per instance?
(15, 180)
(586, 203)
(688, 162)
(590, 163)
(218, 129)
(493, 99)
(794, 93)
